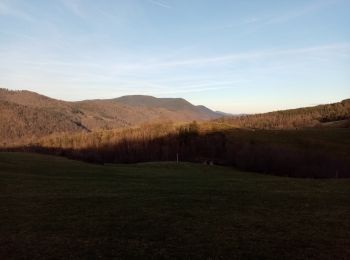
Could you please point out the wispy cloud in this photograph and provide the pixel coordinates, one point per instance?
(161, 3)
(257, 22)
(161, 77)
(17, 35)
(75, 7)
(250, 20)
(338, 49)
(86, 48)
(305, 10)
(236, 57)
(8, 9)
(109, 68)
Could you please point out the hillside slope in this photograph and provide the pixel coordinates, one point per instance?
(20, 123)
(171, 104)
(26, 114)
(317, 116)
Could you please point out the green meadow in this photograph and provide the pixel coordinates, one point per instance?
(55, 208)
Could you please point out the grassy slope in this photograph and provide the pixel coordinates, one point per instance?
(334, 140)
(53, 207)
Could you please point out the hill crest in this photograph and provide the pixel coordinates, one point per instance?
(29, 108)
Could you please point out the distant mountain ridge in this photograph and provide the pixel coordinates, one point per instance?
(26, 114)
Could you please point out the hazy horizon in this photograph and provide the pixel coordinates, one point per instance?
(231, 56)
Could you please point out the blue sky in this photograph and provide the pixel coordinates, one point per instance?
(230, 55)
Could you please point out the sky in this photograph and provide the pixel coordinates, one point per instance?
(236, 56)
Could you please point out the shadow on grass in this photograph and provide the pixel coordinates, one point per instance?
(297, 153)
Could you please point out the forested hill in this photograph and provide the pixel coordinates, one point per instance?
(318, 148)
(26, 115)
(330, 115)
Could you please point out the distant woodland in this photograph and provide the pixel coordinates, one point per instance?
(317, 116)
(314, 153)
(309, 142)
(26, 116)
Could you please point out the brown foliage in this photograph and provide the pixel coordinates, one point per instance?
(316, 153)
(299, 153)
(293, 118)
(26, 115)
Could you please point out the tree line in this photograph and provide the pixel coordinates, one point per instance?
(292, 118)
(300, 153)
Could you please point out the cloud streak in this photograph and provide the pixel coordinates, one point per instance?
(257, 22)
(74, 7)
(237, 57)
(161, 77)
(110, 68)
(315, 6)
(7, 9)
(160, 3)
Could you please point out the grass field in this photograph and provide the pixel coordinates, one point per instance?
(51, 207)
